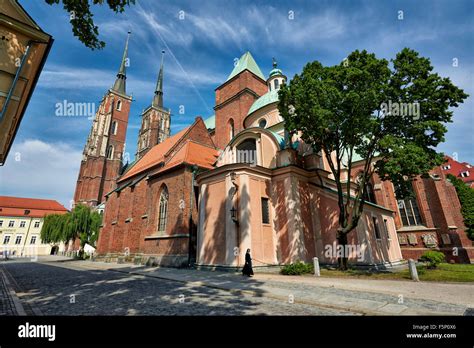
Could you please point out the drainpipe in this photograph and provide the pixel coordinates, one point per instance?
(194, 170)
(15, 80)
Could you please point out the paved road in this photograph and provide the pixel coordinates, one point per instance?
(70, 290)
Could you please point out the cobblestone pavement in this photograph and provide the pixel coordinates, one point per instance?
(71, 290)
(7, 306)
(393, 298)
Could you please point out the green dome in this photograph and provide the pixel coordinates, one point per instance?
(264, 100)
(275, 72)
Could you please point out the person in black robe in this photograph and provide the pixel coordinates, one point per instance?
(247, 270)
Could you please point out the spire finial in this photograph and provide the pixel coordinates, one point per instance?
(119, 84)
(158, 98)
(274, 62)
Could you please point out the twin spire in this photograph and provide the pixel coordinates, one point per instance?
(120, 86)
(158, 98)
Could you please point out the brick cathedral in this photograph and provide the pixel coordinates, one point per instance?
(191, 199)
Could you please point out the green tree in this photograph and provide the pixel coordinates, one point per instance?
(341, 111)
(82, 222)
(466, 197)
(81, 18)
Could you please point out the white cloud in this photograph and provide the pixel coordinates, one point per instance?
(37, 169)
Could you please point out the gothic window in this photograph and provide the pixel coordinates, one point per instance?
(114, 127)
(110, 152)
(409, 211)
(231, 129)
(163, 210)
(119, 105)
(277, 83)
(262, 123)
(162, 124)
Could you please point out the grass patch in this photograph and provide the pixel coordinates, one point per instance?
(445, 272)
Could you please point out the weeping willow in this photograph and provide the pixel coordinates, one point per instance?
(82, 222)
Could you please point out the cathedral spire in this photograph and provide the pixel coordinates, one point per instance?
(158, 98)
(119, 85)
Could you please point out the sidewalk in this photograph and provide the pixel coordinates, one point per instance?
(367, 297)
(9, 302)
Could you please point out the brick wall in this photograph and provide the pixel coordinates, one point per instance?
(233, 101)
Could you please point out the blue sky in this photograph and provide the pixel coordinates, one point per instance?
(200, 52)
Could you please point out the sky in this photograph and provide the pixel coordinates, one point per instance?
(201, 40)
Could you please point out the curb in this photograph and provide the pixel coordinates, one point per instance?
(16, 301)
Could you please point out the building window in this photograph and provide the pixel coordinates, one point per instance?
(1, 223)
(163, 213)
(11, 223)
(270, 86)
(6, 239)
(385, 223)
(277, 84)
(447, 167)
(231, 129)
(33, 240)
(265, 211)
(376, 227)
(110, 152)
(114, 127)
(246, 152)
(37, 224)
(262, 123)
(369, 195)
(465, 174)
(119, 105)
(22, 223)
(18, 239)
(409, 212)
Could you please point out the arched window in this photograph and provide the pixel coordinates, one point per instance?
(277, 83)
(262, 123)
(114, 127)
(163, 210)
(119, 105)
(110, 152)
(409, 211)
(247, 152)
(231, 129)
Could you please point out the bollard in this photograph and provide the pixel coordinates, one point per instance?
(413, 270)
(317, 272)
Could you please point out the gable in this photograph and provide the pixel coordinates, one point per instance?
(164, 152)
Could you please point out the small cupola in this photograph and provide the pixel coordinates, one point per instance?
(275, 78)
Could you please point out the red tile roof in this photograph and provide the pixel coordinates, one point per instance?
(155, 156)
(456, 168)
(16, 206)
(193, 153)
(174, 151)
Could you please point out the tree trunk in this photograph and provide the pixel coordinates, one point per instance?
(342, 242)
